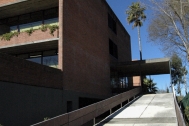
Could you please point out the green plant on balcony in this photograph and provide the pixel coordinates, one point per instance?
(8, 36)
(30, 31)
(53, 28)
(44, 28)
(46, 118)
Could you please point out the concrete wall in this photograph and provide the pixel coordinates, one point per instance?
(86, 60)
(23, 105)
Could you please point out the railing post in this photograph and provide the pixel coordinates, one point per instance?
(121, 105)
(94, 121)
(128, 100)
(110, 111)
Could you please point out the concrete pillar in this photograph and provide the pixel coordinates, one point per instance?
(94, 121)
(60, 42)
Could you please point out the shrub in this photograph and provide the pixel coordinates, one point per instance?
(30, 31)
(9, 35)
(53, 28)
(44, 28)
(46, 118)
(186, 111)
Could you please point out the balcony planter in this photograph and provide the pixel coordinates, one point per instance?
(25, 37)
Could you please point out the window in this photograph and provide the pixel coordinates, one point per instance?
(13, 29)
(48, 58)
(113, 49)
(112, 24)
(53, 21)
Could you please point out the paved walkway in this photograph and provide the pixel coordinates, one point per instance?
(148, 110)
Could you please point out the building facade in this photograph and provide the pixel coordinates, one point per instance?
(77, 40)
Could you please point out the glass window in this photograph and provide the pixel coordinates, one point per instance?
(51, 61)
(36, 60)
(53, 21)
(28, 26)
(36, 25)
(25, 27)
(13, 29)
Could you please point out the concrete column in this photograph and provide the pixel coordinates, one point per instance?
(60, 42)
(94, 121)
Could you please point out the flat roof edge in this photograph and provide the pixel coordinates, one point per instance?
(157, 60)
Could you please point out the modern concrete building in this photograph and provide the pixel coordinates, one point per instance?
(72, 45)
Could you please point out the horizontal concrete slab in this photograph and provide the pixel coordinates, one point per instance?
(143, 67)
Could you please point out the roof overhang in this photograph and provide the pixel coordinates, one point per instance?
(25, 6)
(143, 67)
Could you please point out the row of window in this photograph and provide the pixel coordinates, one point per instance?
(48, 58)
(119, 82)
(31, 17)
(34, 25)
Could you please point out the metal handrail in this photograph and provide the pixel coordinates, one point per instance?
(180, 119)
(83, 115)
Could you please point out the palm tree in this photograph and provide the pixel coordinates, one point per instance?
(149, 86)
(136, 16)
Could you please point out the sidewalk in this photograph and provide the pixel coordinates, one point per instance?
(148, 110)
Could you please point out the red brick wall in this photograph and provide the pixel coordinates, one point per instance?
(136, 81)
(86, 46)
(122, 40)
(28, 73)
(86, 54)
(23, 37)
(7, 1)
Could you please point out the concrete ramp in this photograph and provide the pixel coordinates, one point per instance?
(148, 110)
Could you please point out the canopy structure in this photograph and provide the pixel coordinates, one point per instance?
(143, 67)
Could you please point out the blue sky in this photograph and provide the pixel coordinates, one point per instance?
(149, 50)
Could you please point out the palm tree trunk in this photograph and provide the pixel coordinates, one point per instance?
(140, 49)
(139, 43)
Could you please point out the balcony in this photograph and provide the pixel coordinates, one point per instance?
(26, 42)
